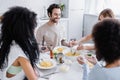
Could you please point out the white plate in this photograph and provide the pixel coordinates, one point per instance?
(56, 49)
(41, 67)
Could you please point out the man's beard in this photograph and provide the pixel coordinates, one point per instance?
(54, 21)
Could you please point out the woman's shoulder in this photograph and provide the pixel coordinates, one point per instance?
(104, 73)
(16, 51)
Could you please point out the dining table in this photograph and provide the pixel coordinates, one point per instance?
(74, 71)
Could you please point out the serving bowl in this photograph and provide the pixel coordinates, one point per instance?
(71, 54)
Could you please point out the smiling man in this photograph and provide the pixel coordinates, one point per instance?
(50, 31)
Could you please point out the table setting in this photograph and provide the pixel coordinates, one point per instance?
(60, 67)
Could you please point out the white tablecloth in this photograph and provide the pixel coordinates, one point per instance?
(74, 73)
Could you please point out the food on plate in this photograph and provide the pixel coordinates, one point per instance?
(72, 54)
(46, 64)
(90, 64)
(60, 49)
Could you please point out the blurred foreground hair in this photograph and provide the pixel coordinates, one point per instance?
(106, 35)
(18, 25)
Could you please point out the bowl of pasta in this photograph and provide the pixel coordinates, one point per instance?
(46, 64)
(71, 54)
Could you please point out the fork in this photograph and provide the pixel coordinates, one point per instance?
(74, 52)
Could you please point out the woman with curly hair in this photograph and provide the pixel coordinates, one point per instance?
(18, 46)
(106, 36)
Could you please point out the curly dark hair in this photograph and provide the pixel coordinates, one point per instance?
(106, 13)
(106, 35)
(51, 7)
(18, 25)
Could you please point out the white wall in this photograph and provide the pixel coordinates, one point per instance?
(35, 5)
(76, 11)
(39, 5)
(6, 4)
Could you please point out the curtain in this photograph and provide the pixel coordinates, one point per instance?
(114, 5)
(96, 6)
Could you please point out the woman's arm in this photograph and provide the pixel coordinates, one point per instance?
(73, 43)
(28, 69)
(85, 38)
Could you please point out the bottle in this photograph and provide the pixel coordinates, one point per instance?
(50, 47)
(51, 54)
(61, 60)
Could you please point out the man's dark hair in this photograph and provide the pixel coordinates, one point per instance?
(51, 7)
